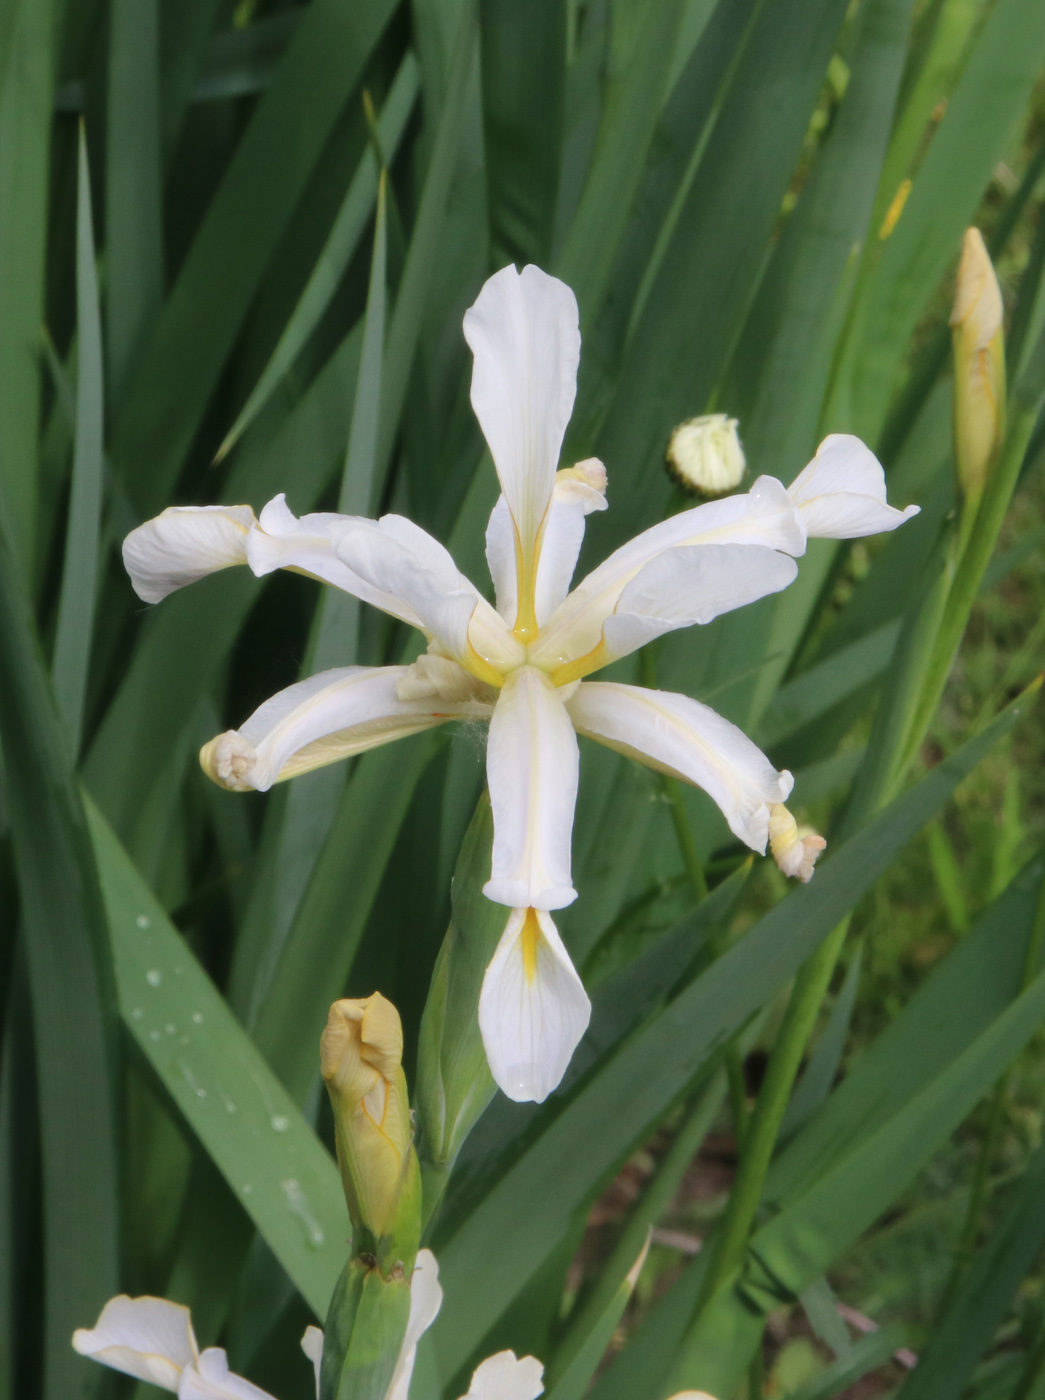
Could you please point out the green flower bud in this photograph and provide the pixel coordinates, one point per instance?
(979, 370)
(361, 1053)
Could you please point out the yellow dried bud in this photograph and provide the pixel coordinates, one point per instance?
(979, 367)
(360, 1057)
(705, 455)
(795, 851)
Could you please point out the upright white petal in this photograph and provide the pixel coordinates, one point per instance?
(211, 1379)
(330, 716)
(763, 516)
(185, 544)
(426, 1298)
(148, 1338)
(506, 1376)
(693, 584)
(312, 1346)
(524, 333)
(686, 739)
(533, 1008)
(399, 559)
(840, 495)
(579, 490)
(531, 768)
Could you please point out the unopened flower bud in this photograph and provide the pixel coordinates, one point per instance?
(794, 851)
(979, 368)
(705, 455)
(361, 1054)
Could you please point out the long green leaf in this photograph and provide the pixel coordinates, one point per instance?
(523, 79)
(176, 374)
(512, 1230)
(76, 605)
(339, 248)
(25, 118)
(711, 266)
(966, 1329)
(309, 808)
(133, 188)
(979, 121)
(66, 948)
(188, 637)
(629, 116)
(322, 942)
(277, 1169)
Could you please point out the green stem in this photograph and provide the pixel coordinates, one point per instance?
(684, 835)
(764, 1124)
(965, 1249)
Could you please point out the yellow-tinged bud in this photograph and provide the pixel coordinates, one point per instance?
(360, 1057)
(794, 851)
(705, 455)
(979, 368)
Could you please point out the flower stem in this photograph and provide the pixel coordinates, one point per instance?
(764, 1124)
(684, 835)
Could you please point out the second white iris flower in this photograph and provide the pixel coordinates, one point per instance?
(521, 665)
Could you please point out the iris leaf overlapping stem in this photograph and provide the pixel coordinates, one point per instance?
(522, 664)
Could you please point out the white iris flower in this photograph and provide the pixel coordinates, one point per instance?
(522, 664)
(152, 1339)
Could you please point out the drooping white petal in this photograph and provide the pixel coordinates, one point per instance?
(281, 540)
(330, 716)
(149, 1338)
(183, 545)
(533, 1008)
(426, 1298)
(763, 516)
(312, 1346)
(531, 768)
(578, 491)
(506, 1376)
(211, 1379)
(524, 333)
(693, 584)
(688, 740)
(399, 559)
(840, 495)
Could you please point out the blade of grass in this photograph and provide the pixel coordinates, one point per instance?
(711, 267)
(310, 806)
(76, 604)
(274, 1164)
(185, 641)
(523, 48)
(966, 1329)
(337, 251)
(66, 946)
(133, 189)
(177, 372)
(25, 125)
(630, 112)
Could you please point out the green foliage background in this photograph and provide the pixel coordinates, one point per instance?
(197, 304)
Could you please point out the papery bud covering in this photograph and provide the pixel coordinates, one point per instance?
(704, 454)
